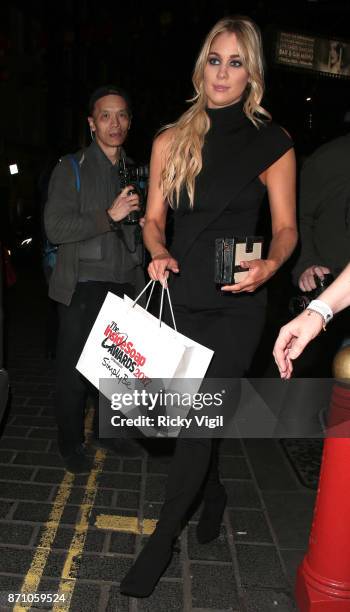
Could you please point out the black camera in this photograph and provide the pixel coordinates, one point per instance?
(300, 302)
(137, 177)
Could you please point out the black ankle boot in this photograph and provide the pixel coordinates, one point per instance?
(150, 565)
(186, 475)
(208, 527)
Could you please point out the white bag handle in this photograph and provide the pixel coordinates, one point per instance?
(161, 301)
(142, 292)
(150, 294)
(170, 305)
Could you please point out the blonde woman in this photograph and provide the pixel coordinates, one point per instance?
(213, 167)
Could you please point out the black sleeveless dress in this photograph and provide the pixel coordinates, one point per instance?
(228, 198)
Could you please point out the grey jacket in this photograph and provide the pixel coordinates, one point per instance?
(78, 223)
(324, 207)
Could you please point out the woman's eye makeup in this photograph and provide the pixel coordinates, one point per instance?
(215, 61)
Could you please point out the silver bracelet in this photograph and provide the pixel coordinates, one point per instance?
(322, 308)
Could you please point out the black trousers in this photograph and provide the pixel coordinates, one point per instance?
(75, 323)
(234, 336)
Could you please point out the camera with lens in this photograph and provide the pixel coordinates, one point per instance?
(300, 302)
(136, 176)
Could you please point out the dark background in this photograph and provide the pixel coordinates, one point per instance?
(53, 54)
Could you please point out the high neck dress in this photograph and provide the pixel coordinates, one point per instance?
(228, 198)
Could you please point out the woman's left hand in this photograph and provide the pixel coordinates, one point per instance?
(259, 271)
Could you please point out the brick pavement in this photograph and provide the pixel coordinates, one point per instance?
(250, 568)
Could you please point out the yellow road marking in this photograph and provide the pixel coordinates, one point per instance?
(104, 521)
(70, 568)
(148, 526)
(35, 572)
(68, 577)
(129, 524)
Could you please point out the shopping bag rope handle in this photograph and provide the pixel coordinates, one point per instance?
(170, 306)
(150, 293)
(142, 292)
(152, 282)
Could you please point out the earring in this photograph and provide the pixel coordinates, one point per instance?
(92, 133)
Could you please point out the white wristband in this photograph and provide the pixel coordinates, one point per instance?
(322, 308)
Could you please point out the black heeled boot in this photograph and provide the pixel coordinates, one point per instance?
(150, 565)
(214, 498)
(188, 469)
(209, 524)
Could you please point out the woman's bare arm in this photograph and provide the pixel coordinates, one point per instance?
(280, 183)
(297, 334)
(156, 214)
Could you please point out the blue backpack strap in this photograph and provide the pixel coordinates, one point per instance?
(76, 168)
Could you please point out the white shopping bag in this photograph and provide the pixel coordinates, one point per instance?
(196, 357)
(126, 341)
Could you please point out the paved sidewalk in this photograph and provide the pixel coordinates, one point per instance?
(250, 568)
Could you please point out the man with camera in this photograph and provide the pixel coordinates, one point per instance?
(99, 250)
(324, 208)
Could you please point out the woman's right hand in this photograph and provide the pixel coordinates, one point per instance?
(160, 266)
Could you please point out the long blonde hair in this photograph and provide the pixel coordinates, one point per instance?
(183, 155)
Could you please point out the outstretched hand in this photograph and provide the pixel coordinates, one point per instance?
(293, 338)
